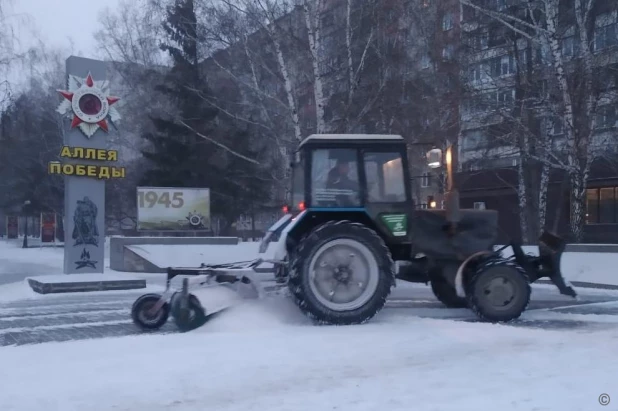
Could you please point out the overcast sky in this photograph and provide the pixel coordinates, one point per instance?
(61, 21)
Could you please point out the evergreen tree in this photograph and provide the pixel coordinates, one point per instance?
(178, 155)
(174, 150)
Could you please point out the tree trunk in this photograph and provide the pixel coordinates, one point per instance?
(564, 188)
(289, 90)
(523, 202)
(578, 205)
(543, 187)
(312, 21)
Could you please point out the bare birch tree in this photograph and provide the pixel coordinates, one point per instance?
(312, 11)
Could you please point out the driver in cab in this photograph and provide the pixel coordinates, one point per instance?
(338, 179)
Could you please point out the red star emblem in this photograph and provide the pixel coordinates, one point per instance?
(88, 83)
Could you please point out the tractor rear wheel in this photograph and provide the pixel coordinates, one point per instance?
(341, 273)
(498, 290)
(446, 293)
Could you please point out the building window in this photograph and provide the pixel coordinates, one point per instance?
(423, 206)
(605, 36)
(448, 21)
(606, 117)
(570, 46)
(523, 56)
(476, 72)
(501, 5)
(601, 207)
(447, 52)
(505, 96)
(502, 66)
(425, 61)
(474, 139)
(425, 180)
(500, 98)
(497, 36)
(557, 127)
(479, 205)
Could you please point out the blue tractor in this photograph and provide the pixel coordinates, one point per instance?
(352, 229)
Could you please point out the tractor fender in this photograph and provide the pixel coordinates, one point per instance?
(459, 276)
(280, 250)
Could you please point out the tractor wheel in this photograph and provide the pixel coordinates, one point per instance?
(446, 293)
(341, 273)
(498, 291)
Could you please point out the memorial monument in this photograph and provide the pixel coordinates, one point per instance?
(88, 109)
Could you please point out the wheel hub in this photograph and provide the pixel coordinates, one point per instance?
(150, 313)
(499, 291)
(344, 274)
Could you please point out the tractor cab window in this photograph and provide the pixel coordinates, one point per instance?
(334, 176)
(385, 177)
(298, 184)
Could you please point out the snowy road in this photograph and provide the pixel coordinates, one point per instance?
(262, 356)
(77, 317)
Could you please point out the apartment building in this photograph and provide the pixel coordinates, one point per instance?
(502, 73)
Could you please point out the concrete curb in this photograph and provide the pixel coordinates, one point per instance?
(41, 287)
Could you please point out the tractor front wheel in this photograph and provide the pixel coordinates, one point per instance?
(341, 273)
(498, 290)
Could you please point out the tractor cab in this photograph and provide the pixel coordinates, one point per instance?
(350, 172)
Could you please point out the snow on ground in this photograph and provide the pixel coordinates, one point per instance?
(264, 357)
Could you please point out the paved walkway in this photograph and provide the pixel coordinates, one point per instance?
(77, 317)
(66, 318)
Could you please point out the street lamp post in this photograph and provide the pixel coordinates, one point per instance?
(24, 212)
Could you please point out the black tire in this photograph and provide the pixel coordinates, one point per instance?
(478, 292)
(372, 249)
(446, 293)
(142, 318)
(194, 317)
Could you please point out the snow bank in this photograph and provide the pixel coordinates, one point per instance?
(587, 267)
(596, 268)
(393, 365)
(33, 260)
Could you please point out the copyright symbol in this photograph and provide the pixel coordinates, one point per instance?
(604, 399)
